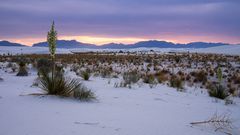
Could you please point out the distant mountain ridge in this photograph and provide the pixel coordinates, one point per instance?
(66, 44)
(70, 44)
(7, 43)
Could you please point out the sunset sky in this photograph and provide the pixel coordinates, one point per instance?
(121, 21)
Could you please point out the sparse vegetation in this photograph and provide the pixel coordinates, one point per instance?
(174, 69)
(130, 78)
(44, 65)
(176, 82)
(149, 78)
(22, 69)
(83, 93)
(85, 75)
(217, 91)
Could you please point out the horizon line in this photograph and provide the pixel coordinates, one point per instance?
(121, 42)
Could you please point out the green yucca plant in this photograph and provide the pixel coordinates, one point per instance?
(64, 87)
(85, 75)
(217, 91)
(52, 41)
(219, 75)
(56, 83)
(58, 86)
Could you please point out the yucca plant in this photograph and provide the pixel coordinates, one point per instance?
(64, 87)
(57, 86)
(55, 83)
(52, 42)
(217, 91)
(85, 75)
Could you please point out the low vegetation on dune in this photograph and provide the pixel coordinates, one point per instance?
(194, 70)
(218, 74)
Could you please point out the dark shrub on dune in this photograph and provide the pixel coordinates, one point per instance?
(217, 90)
(22, 69)
(44, 65)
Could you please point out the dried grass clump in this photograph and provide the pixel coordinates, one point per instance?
(162, 76)
(149, 78)
(176, 82)
(130, 78)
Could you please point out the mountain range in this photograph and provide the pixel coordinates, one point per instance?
(148, 44)
(6, 43)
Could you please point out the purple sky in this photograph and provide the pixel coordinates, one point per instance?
(174, 20)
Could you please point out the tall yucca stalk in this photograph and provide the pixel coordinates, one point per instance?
(52, 39)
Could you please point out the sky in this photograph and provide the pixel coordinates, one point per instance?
(121, 21)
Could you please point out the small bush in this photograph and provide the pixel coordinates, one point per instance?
(105, 73)
(176, 82)
(161, 77)
(22, 69)
(149, 78)
(217, 91)
(131, 77)
(85, 75)
(83, 93)
(44, 65)
(201, 76)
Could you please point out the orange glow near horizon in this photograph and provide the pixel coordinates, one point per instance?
(127, 40)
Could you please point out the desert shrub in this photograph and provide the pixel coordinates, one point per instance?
(200, 76)
(85, 75)
(161, 77)
(83, 93)
(105, 73)
(130, 78)
(44, 65)
(217, 90)
(62, 86)
(177, 59)
(236, 79)
(22, 69)
(149, 78)
(176, 82)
